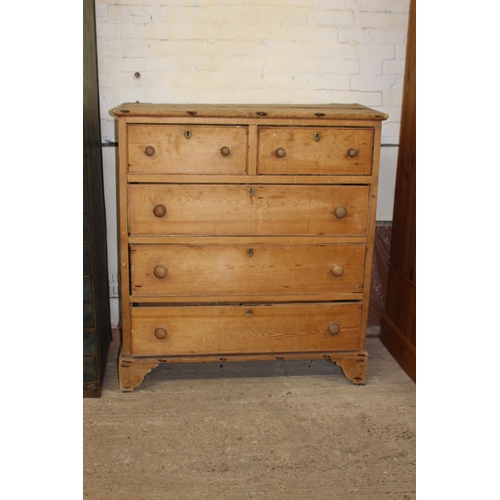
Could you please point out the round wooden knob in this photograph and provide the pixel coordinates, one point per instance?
(160, 333)
(333, 328)
(225, 151)
(160, 272)
(159, 210)
(280, 152)
(340, 212)
(337, 271)
(352, 153)
(150, 150)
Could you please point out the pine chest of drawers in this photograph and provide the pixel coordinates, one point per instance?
(246, 232)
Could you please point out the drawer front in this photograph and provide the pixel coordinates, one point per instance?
(182, 271)
(315, 150)
(223, 210)
(176, 149)
(245, 329)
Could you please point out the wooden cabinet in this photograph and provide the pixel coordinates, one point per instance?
(246, 232)
(398, 325)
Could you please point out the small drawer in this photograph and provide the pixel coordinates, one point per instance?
(245, 329)
(186, 149)
(315, 151)
(239, 210)
(189, 270)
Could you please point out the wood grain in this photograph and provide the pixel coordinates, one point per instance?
(231, 330)
(305, 156)
(230, 111)
(223, 210)
(228, 270)
(175, 154)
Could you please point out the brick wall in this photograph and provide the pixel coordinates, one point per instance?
(252, 51)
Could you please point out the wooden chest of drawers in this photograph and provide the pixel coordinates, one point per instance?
(246, 232)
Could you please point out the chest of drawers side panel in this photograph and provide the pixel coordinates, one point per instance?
(372, 213)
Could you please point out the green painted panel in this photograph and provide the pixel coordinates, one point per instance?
(84, 196)
(87, 289)
(89, 370)
(87, 269)
(89, 343)
(88, 315)
(85, 230)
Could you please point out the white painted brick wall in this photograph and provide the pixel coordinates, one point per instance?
(252, 51)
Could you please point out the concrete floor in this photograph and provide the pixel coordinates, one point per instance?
(262, 430)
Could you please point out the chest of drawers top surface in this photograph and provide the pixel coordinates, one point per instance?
(246, 232)
(302, 112)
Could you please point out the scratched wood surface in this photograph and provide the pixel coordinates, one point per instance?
(228, 270)
(223, 210)
(175, 154)
(244, 329)
(266, 111)
(304, 155)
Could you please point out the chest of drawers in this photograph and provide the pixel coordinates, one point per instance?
(246, 233)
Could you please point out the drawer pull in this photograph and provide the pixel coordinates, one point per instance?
(160, 333)
(333, 328)
(352, 153)
(250, 192)
(280, 152)
(224, 151)
(340, 212)
(159, 210)
(150, 150)
(337, 271)
(250, 252)
(249, 313)
(317, 136)
(187, 134)
(160, 272)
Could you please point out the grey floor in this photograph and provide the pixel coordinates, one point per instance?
(257, 430)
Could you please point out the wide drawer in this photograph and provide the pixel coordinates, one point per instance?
(186, 149)
(222, 210)
(315, 151)
(245, 329)
(190, 270)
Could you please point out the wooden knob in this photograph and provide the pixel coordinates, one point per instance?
(333, 328)
(280, 152)
(352, 153)
(160, 333)
(337, 271)
(159, 210)
(340, 212)
(150, 150)
(225, 151)
(160, 272)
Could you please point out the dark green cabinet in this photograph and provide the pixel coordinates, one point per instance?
(96, 311)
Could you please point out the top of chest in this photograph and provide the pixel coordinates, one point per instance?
(317, 112)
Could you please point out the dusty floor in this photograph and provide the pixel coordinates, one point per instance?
(262, 430)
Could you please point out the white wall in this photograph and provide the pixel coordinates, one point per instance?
(251, 51)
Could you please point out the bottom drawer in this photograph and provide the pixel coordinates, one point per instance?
(245, 329)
